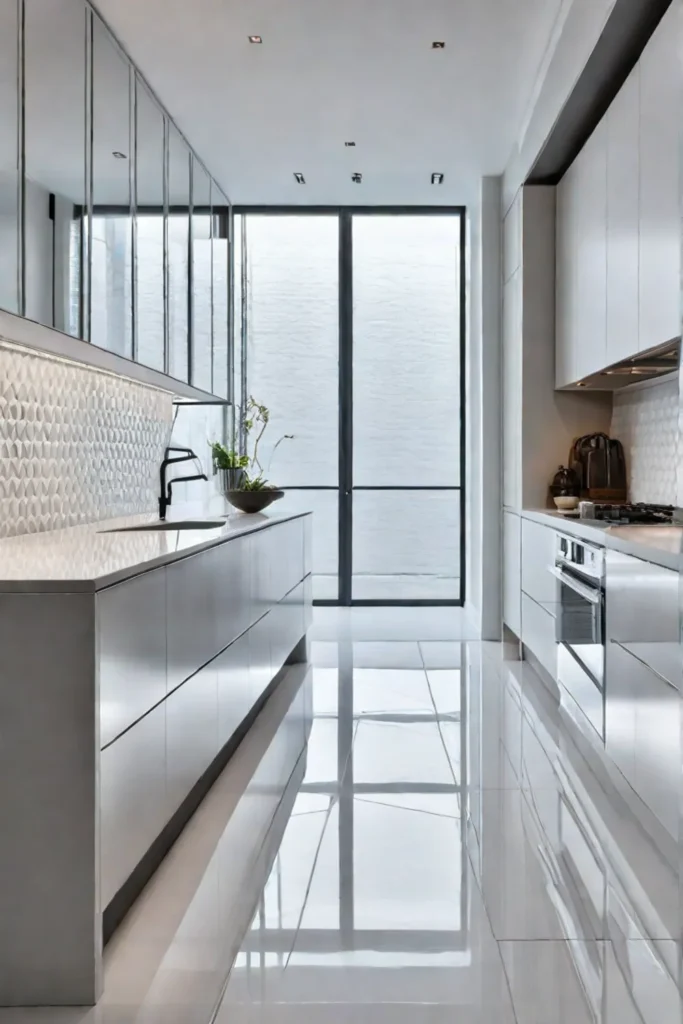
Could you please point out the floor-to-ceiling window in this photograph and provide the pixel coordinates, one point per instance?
(350, 328)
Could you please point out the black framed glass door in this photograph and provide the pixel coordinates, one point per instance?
(351, 330)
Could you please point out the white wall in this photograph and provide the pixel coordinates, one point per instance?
(484, 491)
(578, 28)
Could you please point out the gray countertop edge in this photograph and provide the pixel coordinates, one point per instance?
(92, 586)
(616, 538)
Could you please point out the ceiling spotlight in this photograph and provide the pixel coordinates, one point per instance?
(357, 177)
(437, 178)
(255, 39)
(299, 178)
(119, 155)
(349, 144)
(438, 44)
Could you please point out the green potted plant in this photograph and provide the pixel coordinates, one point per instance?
(242, 479)
(230, 466)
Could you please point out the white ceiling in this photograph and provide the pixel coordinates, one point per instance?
(329, 71)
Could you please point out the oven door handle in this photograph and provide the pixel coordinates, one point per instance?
(592, 596)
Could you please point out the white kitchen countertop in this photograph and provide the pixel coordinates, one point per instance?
(88, 558)
(659, 544)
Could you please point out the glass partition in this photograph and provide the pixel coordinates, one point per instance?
(178, 255)
(202, 284)
(111, 270)
(9, 159)
(350, 330)
(150, 204)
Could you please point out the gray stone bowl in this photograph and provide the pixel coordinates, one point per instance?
(252, 501)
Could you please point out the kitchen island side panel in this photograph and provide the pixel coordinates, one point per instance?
(50, 928)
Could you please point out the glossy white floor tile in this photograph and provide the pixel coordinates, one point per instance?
(452, 848)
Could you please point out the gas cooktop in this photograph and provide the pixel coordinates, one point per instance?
(639, 513)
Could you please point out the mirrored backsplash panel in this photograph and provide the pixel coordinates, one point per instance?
(111, 229)
(76, 445)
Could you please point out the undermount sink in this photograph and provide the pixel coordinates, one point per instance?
(184, 524)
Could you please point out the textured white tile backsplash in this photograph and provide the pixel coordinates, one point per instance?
(646, 422)
(76, 445)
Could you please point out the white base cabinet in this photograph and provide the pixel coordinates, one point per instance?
(512, 577)
(120, 701)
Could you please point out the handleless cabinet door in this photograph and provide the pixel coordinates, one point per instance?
(191, 600)
(623, 162)
(192, 739)
(131, 634)
(235, 689)
(132, 799)
(658, 747)
(591, 334)
(288, 626)
(538, 634)
(621, 672)
(287, 556)
(660, 96)
(308, 544)
(538, 557)
(232, 578)
(566, 288)
(260, 657)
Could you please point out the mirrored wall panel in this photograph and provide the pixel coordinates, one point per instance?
(111, 271)
(111, 228)
(202, 284)
(54, 161)
(178, 254)
(149, 229)
(9, 157)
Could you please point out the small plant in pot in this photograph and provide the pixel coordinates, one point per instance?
(242, 479)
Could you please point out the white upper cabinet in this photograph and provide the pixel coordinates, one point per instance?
(567, 263)
(623, 122)
(591, 313)
(618, 223)
(659, 187)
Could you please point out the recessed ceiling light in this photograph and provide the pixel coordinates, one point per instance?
(119, 155)
(255, 39)
(357, 177)
(349, 143)
(299, 178)
(438, 44)
(437, 178)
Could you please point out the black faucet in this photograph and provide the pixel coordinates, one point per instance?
(165, 494)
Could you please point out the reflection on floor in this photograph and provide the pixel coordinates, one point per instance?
(449, 846)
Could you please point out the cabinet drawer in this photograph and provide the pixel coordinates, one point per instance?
(641, 602)
(232, 597)
(191, 734)
(131, 636)
(644, 733)
(235, 690)
(260, 657)
(191, 601)
(538, 634)
(132, 799)
(538, 556)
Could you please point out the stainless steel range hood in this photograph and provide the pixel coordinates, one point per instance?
(656, 362)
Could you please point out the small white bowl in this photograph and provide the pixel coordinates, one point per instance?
(566, 503)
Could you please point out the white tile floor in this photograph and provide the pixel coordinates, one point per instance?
(452, 847)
